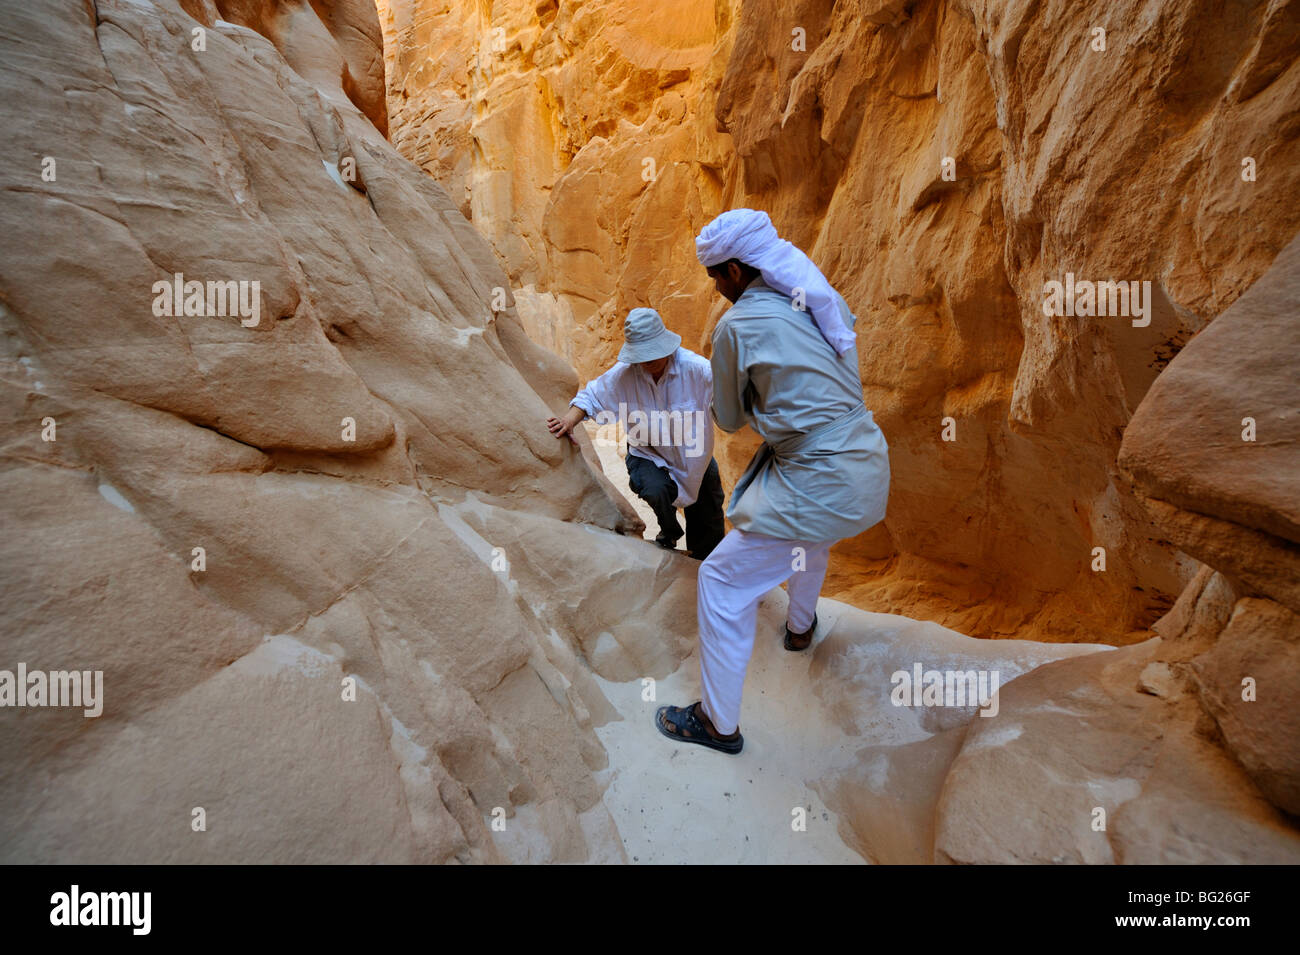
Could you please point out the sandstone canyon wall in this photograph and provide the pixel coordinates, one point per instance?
(229, 519)
(589, 142)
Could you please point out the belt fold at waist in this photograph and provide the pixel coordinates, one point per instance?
(797, 442)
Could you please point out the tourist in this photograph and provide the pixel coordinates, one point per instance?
(661, 393)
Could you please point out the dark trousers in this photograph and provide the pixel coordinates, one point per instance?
(704, 524)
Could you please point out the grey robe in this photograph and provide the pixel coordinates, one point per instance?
(822, 473)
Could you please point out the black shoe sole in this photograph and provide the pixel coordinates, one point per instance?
(811, 633)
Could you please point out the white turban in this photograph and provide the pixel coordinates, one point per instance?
(748, 235)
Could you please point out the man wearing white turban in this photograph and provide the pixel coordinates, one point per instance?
(749, 237)
(785, 362)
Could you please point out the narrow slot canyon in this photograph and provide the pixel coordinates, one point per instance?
(291, 288)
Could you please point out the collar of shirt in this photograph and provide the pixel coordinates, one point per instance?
(756, 287)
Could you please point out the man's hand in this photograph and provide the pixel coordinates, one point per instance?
(563, 427)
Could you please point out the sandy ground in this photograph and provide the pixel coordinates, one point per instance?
(679, 803)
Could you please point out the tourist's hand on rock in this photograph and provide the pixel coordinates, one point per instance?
(561, 428)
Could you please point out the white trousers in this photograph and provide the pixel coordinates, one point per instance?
(732, 581)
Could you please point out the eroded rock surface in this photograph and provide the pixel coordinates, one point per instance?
(1214, 453)
(342, 673)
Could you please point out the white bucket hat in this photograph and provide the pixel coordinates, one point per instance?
(646, 337)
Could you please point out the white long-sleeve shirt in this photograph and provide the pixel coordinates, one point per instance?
(668, 422)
